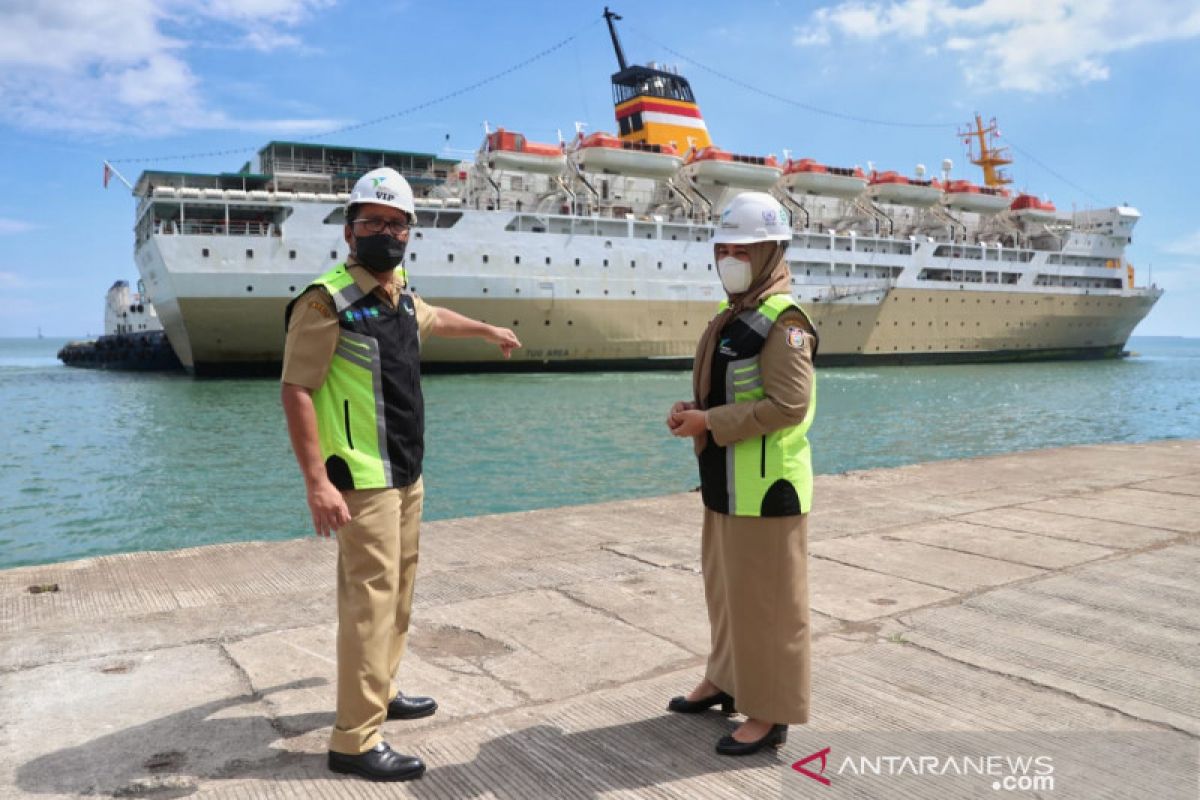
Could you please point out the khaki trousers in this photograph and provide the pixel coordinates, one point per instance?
(756, 588)
(377, 566)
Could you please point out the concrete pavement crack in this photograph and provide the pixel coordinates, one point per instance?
(1038, 685)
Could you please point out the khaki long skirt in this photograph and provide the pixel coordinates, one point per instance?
(756, 587)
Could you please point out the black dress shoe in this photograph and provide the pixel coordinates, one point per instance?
(684, 706)
(381, 763)
(729, 746)
(403, 707)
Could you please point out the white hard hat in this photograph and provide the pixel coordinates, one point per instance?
(753, 217)
(386, 187)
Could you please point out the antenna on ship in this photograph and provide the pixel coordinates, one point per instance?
(609, 16)
(991, 157)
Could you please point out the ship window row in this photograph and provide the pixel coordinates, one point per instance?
(968, 276)
(971, 253)
(1081, 261)
(1080, 283)
(824, 269)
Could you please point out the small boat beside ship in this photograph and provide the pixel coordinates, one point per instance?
(133, 340)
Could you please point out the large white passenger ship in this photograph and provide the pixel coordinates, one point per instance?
(595, 251)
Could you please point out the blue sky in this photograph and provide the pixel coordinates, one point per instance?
(1097, 97)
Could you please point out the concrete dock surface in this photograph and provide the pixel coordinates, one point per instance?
(1033, 603)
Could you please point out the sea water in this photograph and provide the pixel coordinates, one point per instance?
(100, 462)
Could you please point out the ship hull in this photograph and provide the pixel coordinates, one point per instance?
(245, 337)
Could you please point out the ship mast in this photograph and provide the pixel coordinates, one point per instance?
(990, 157)
(609, 16)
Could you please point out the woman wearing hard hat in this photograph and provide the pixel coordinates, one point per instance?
(754, 395)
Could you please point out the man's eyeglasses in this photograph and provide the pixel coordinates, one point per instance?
(396, 227)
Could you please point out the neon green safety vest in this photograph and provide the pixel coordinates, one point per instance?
(370, 410)
(764, 476)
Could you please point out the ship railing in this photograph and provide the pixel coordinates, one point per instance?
(313, 166)
(206, 228)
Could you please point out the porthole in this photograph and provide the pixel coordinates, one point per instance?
(204, 252)
(249, 288)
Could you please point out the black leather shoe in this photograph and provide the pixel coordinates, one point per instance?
(403, 707)
(381, 763)
(729, 746)
(682, 705)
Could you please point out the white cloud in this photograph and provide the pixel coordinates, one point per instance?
(1185, 246)
(108, 67)
(14, 226)
(1023, 45)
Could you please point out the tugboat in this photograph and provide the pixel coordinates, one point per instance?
(133, 338)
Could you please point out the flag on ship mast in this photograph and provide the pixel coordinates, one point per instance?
(110, 171)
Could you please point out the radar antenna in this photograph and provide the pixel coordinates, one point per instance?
(609, 16)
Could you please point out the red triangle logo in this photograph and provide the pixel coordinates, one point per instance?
(819, 774)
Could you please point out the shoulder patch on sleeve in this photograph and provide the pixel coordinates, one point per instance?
(795, 337)
(321, 308)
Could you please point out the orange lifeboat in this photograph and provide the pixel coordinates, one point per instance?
(967, 196)
(512, 151)
(603, 152)
(1028, 208)
(892, 187)
(807, 176)
(713, 165)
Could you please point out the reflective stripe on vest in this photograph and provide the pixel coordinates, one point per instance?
(767, 475)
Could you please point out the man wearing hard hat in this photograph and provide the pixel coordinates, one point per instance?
(355, 414)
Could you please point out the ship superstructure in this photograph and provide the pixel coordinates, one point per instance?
(595, 251)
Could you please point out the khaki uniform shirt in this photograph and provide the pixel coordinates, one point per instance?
(787, 372)
(313, 330)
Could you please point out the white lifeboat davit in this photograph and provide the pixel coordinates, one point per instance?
(967, 196)
(603, 152)
(1028, 208)
(894, 188)
(507, 150)
(809, 177)
(712, 165)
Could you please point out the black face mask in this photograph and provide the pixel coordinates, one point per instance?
(380, 252)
